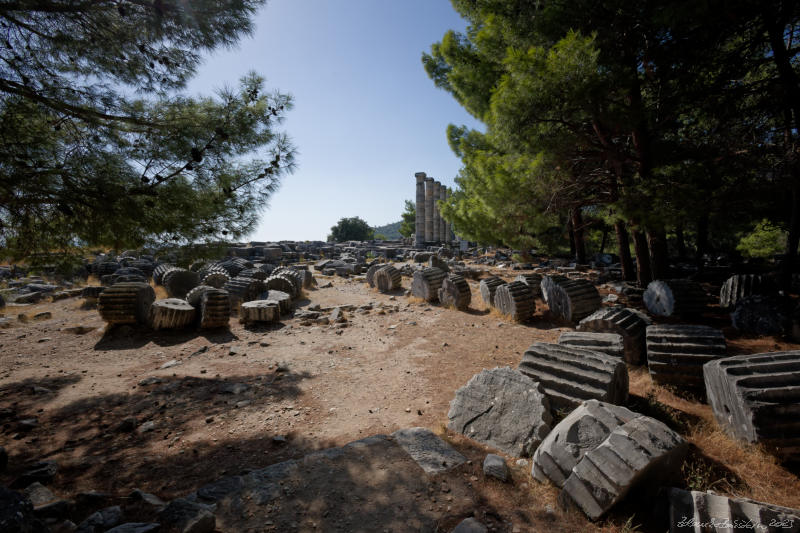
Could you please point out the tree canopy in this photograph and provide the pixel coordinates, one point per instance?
(351, 229)
(101, 146)
(662, 119)
(408, 219)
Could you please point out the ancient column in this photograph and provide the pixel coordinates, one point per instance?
(428, 209)
(437, 220)
(419, 221)
(445, 226)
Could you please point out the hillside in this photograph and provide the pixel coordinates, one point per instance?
(391, 231)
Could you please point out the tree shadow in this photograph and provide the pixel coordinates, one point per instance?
(126, 337)
(106, 441)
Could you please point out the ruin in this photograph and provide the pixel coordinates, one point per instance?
(429, 226)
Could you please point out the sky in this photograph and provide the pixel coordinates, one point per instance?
(366, 116)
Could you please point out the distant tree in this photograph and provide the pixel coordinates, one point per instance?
(409, 216)
(351, 229)
(380, 237)
(98, 145)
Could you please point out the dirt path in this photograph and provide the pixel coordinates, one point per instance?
(169, 411)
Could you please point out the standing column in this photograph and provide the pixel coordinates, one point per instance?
(428, 209)
(419, 221)
(437, 220)
(445, 226)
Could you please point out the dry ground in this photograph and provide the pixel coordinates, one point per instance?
(218, 410)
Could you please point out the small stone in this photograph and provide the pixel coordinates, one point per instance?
(470, 525)
(202, 350)
(235, 350)
(127, 425)
(44, 339)
(45, 315)
(170, 364)
(146, 427)
(187, 517)
(102, 520)
(235, 388)
(42, 472)
(522, 462)
(279, 439)
(79, 330)
(152, 380)
(495, 466)
(38, 494)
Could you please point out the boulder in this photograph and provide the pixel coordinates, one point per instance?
(502, 408)
(259, 311)
(126, 303)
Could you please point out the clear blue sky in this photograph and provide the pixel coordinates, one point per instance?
(366, 115)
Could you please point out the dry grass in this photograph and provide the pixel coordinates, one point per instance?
(718, 462)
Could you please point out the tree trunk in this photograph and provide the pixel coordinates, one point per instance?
(604, 239)
(659, 255)
(571, 232)
(577, 231)
(624, 248)
(680, 241)
(702, 239)
(643, 273)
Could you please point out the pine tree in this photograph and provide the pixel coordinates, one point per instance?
(100, 146)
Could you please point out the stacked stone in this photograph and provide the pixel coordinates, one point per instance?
(622, 321)
(426, 283)
(105, 267)
(755, 398)
(254, 273)
(215, 309)
(534, 281)
(488, 289)
(740, 286)
(126, 303)
(676, 354)
(388, 278)
(170, 313)
(607, 343)
(572, 375)
(516, 300)
(455, 291)
(573, 300)
(674, 297)
(292, 275)
(419, 220)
